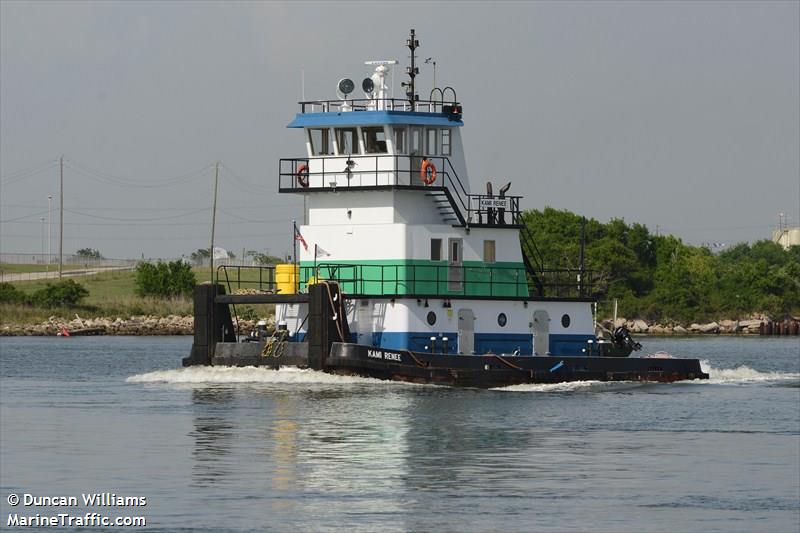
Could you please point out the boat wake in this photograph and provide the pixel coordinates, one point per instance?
(222, 375)
(717, 376)
(573, 386)
(744, 374)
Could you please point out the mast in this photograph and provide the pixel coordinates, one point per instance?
(214, 220)
(412, 71)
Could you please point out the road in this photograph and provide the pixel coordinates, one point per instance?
(33, 276)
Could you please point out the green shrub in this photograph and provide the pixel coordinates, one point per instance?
(9, 294)
(63, 293)
(248, 313)
(165, 280)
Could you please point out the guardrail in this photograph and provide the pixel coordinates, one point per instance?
(410, 280)
(399, 171)
(380, 104)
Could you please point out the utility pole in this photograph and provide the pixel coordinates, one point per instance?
(61, 223)
(42, 219)
(49, 226)
(214, 219)
(583, 266)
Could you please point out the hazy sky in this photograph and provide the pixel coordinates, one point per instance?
(681, 115)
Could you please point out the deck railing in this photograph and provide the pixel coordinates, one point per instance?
(413, 280)
(381, 104)
(398, 171)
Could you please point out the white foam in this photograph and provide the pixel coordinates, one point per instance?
(743, 374)
(206, 375)
(203, 375)
(572, 386)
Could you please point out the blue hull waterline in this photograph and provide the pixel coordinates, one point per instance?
(400, 271)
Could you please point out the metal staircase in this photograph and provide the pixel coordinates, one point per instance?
(534, 263)
(444, 203)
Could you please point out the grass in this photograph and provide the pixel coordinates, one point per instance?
(113, 294)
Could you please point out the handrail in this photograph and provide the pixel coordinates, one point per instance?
(425, 281)
(348, 173)
(535, 270)
(414, 280)
(384, 104)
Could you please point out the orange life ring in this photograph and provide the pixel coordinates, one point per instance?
(302, 175)
(427, 172)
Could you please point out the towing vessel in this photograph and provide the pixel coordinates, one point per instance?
(401, 271)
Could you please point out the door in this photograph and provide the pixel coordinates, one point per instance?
(541, 332)
(466, 331)
(455, 265)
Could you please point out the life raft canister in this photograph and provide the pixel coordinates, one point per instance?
(302, 175)
(427, 172)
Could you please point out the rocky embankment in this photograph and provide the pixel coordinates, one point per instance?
(184, 325)
(135, 325)
(744, 327)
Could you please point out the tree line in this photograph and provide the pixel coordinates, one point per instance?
(659, 277)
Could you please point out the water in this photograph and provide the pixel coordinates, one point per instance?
(247, 449)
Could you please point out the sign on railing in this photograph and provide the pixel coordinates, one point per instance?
(494, 203)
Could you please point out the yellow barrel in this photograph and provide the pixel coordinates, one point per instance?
(286, 278)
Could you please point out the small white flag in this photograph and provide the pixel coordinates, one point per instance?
(319, 251)
(220, 253)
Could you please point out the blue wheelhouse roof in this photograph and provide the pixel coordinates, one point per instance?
(371, 118)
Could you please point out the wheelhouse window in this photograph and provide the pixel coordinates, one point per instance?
(432, 146)
(374, 140)
(415, 141)
(347, 140)
(321, 142)
(446, 145)
(489, 251)
(399, 140)
(436, 249)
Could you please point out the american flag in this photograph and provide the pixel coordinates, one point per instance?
(300, 238)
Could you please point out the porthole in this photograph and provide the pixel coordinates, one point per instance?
(565, 320)
(502, 320)
(431, 318)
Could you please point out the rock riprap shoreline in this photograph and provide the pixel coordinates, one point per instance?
(741, 327)
(134, 325)
(184, 325)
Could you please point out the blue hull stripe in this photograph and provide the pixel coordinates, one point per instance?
(499, 343)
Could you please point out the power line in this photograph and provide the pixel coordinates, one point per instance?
(110, 179)
(19, 175)
(144, 222)
(248, 186)
(128, 208)
(138, 219)
(717, 228)
(22, 217)
(155, 238)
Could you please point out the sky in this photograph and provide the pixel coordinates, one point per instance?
(683, 116)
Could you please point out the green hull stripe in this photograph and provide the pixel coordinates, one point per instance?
(414, 276)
